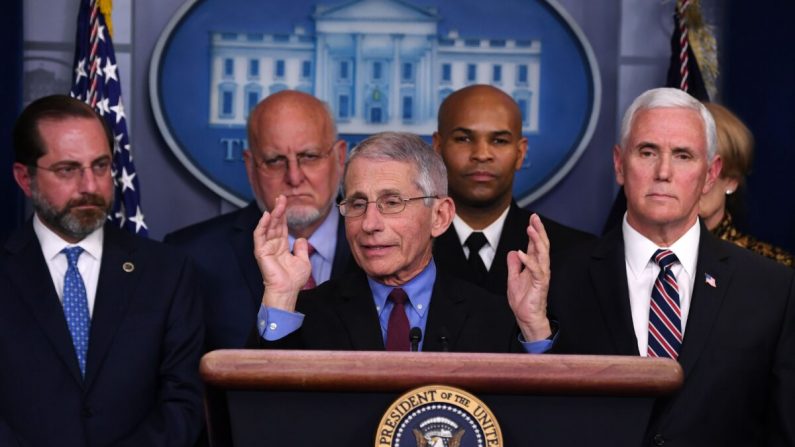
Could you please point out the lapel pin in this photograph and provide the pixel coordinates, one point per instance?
(128, 267)
(710, 280)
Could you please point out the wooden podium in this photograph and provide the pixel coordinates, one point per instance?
(324, 398)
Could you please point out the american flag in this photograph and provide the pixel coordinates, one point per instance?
(96, 81)
(710, 280)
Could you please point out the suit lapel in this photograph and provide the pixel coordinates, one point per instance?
(513, 237)
(609, 277)
(446, 317)
(448, 253)
(342, 252)
(355, 307)
(242, 241)
(119, 275)
(706, 300)
(30, 276)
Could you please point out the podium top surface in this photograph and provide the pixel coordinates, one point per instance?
(482, 373)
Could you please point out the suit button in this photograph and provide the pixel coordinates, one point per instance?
(659, 440)
(87, 412)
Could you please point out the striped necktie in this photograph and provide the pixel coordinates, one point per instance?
(665, 324)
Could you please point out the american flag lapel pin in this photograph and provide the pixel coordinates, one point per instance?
(710, 280)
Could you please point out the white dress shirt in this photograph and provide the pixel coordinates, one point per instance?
(642, 272)
(492, 233)
(88, 263)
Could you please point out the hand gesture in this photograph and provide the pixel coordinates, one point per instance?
(528, 283)
(283, 273)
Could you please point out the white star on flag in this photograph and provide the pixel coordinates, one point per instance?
(138, 219)
(102, 106)
(80, 70)
(110, 71)
(127, 180)
(118, 109)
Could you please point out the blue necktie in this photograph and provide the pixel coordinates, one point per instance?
(75, 306)
(665, 324)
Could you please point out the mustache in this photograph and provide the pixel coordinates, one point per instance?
(88, 200)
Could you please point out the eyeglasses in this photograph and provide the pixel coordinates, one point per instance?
(70, 171)
(277, 165)
(388, 204)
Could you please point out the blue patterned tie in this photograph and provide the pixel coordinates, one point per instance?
(665, 324)
(75, 306)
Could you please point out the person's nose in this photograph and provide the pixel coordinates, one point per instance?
(294, 174)
(372, 220)
(663, 168)
(482, 151)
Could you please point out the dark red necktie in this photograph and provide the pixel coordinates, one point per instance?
(397, 331)
(310, 283)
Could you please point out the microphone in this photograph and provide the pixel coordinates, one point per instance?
(415, 335)
(443, 340)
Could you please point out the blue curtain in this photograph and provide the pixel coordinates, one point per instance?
(12, 203)
(758, 70)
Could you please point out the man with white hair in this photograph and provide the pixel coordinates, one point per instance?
(661, 285)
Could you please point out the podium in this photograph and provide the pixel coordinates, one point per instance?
(324, 398)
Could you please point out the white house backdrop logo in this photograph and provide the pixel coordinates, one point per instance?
(379, 65)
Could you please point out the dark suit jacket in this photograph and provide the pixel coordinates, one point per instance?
(341, 315)
(738, 352)
(141, 386)
(222, 249)
(449, 254)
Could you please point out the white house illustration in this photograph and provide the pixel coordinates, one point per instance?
(379, 64)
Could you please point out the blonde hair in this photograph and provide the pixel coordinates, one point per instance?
(735, 143)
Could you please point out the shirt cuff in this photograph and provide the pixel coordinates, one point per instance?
(274, 324)
(536, 347)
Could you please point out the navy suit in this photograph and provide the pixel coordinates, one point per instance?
(449, 254)
(340, 314)
(141, 386)
(738, 352)
(223, 251)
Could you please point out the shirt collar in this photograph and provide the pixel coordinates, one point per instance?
(324, 239)
(638, 249)
(419, 289)
(52, 244)
(492, 232)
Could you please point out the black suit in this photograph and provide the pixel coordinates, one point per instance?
(223, 250)
(738, 352)
(449, 254)
(141, 386)
(341, 315)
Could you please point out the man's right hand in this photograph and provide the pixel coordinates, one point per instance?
(283, 273)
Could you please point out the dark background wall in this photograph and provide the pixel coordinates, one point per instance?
(758, 68)
(12, 207)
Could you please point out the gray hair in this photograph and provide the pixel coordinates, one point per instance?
(407, 148)
(664, 98)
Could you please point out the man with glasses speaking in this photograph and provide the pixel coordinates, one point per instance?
(395, 203)
(293, 151)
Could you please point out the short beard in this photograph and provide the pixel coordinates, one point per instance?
(68, 221)
(299, 218)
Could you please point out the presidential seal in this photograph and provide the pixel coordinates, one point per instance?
(438, 416)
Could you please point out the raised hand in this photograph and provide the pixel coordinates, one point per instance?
(528, 283)
(283, 273)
